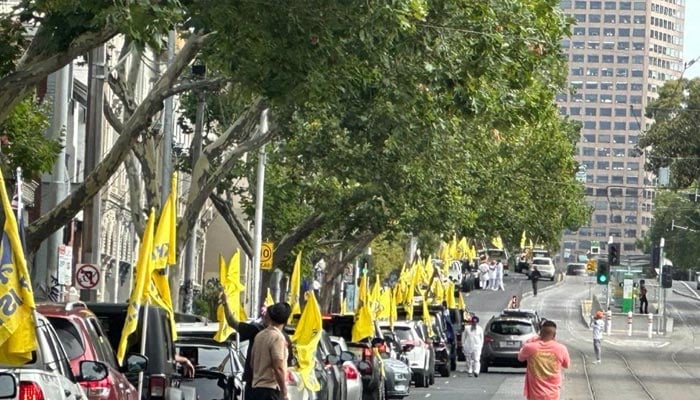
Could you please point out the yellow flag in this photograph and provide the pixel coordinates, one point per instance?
(229, 275)
(306, 337)
(393, 312)
(165, 238)
(295, 287)
(268, 299)
(450, 295)
(460, 302)
(385, 299)
(140, 291)
(523, 238)
(363, 327)
(497, 242)
(17, 327)
(426, 316)
(375, 298)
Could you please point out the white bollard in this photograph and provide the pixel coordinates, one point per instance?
(629, 323)
(609, 322)
(651, 324)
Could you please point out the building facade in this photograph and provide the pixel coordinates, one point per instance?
(620, 53)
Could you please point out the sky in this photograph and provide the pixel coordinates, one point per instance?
(691, 40)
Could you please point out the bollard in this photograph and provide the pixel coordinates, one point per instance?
(609, 322)
(629, 323)
(650, 317)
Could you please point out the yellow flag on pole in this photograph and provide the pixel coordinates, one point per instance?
(523, 238)
(363, 327)
(268, 299)
(450, 295)
(230, 277)
(140, 291)
(306, 337)
(295, 287)
(393, 312)
(460, 302)
(17, 327)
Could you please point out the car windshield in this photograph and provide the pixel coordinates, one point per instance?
(404, 334)
(210, 358)
(512, 328)
(496, 254)
(540, 262)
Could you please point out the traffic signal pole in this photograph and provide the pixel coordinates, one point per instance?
(662, 290)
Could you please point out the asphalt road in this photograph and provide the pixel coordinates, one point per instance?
(664, 367)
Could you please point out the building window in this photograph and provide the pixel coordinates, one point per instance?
(591, 98)
(620, 98)
(623, 45)
(577, 58)
(601, 219)
(606, 86)
(603, 165)
(619, 152)
(628, 247)
(638, 46)
(580, 17)
(579, 31)
(610, 5)
(639, 32)
(575, 111)
(632, 180)
(601, 204)
(641, 5)
(588, 124)
(618, 138)
(637, 73)
(640, 19)
(588, 138)
(625, 19)
(618, 165)
(591, 85)
(577, 98)
(594, 31)
(625, 5)
(605, 126)
(580, 5)
(636, 99)
(578, 71)
(632, 139)
(620, 112)
(603, 138)
(621, 86)
(620, 126)
(603, 152)
(579, 45)
(590, 111)
(606, 72)
(617, 180)
(637, 86)
(594, 18)
(606, 112)
(622, 72)
(588, 163)
(609, 18)
(588, 151)
(596, 5)
(593, 58)
(623, 59)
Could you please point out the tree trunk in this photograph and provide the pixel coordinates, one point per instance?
(336, 265)
(296, 236)
(40, 229)
(234, 224)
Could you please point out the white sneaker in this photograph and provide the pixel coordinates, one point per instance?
(596, 362)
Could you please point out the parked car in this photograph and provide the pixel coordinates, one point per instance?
(161, 379)
(576, 269)
(398, 378)
(367, 353)
(503, 338)
(328, 368)
(218, 368)
(417, 351)
(353, 387)
(497, 254)
(545, 265)
(8, 385)
(49, 374)
(81, 335)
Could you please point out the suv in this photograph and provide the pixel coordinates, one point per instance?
(532, 315)
(415, 349)
(218, 367)
(81, 335)
(49, 375)
(161, 380)
(503, 338)
(545, 266)
(367, 353)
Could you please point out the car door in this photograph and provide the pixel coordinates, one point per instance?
(56, 361)
(105, 353)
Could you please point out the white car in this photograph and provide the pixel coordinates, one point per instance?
(49, 374)
(415, 349)
(354, 388)
(545, 265)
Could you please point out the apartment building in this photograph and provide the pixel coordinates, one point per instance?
(620, 53)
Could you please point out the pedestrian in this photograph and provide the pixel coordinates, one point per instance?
(513, 304)
(472, 341)
(492, 275)
(499, 276)
(534, 278)
(483, 273)
(598, 325)
(246, 331)
(643, 302)
(269, 356)
(545, 358)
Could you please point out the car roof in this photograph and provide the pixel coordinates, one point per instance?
(64, 309)
(519, 310)
(542, 258)
(200, 341)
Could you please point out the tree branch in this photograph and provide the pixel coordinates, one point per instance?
(135, 189)
(205, 85)
(234, 223)
(297, 235)
(112, 117)
(137, 123)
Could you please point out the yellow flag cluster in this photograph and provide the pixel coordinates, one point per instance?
(17, 327)
(306, 337)
(230, 278)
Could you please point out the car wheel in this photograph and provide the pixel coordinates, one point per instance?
(421, 379)
(484, 368)
(444, 371)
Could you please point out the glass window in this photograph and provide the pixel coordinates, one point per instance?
(634, 126)
(605, 126)
(640, 5)
(636, 99)
(579, 45)
(603, 138)
(562, 110)
(594, 18)
(636, 112)
(606, 98)
(632, 180)
(637, 73)
(638, 32)
(640, 19)
(575, 111)
(623, 45)
(620, 98)
(591, 85)
(606, 72)
(604, 165)
(638, 45)
(594, 31)
(580, 5)
(609, 18)
(620, 126)
(625, 19)
(632, 139)
(622, 86)
(618, 165)
(588, 124)
(624, 32)
(596, 5)
(588, 138)
(605, 112)
(602, 179)
(517, 328)
(610, 5)
(578, 71)
(615, 179)
(603, 152)
(577, 58)
(637, 59)
(636, 86)
(591, 98)
(590, 111)
(620, 112)
(625, 5)
(593, 44)
(622, 72)
(618, 152)
(623, 59)
(565, 4)
(580, 17)
(606, 86)
(577, 85)
(593, 58)
(579, 31)
(619, 138)
(69, 337)
(588, 151)
(608, 58)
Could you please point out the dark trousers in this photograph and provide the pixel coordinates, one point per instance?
(534, 288)
(264, 394)
(643, 305)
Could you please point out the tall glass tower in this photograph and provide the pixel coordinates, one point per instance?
(620, 53)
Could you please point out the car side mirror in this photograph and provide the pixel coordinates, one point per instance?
(135, 363)
(332, 359)
(92, 371)
(8, 385)
(346, 356)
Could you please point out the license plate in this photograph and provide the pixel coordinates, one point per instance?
(400, 388)
(510, 344)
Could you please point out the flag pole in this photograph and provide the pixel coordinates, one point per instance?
(20, 206)
(144, 330)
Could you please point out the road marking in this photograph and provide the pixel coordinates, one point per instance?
(427, 395)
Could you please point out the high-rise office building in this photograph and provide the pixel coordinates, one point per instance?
(620, 53)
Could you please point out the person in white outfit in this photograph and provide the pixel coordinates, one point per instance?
(598, 325)
(472, 341)
(499, 275)
(483, 273)
(493, 284)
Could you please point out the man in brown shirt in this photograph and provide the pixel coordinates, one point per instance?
(269, 356)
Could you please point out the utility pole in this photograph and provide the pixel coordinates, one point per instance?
(662, 291)
(56, 188)
(259, 193)
(92, 213)
(191, 249)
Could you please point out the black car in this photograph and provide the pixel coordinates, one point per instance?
(218, 368)
(161, 381)
(367, 353)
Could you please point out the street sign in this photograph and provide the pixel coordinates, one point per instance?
(65, 264)
(266, 255)
(87, 276)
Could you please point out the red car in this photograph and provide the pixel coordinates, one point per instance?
(81, 335)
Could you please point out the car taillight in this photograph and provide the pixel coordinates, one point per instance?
(488, 339)
(30, 391)
(99, 389)
(366, 353)
(157, 385)
(350, 372)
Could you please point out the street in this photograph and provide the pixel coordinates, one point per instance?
(633, 367)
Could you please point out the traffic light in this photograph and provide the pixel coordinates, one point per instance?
(667, 277)
(614, 254)
(655, 257)
(603, 273)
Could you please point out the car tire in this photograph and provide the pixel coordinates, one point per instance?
(422, 379)
(484, 368)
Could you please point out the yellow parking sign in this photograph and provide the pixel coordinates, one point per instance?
(266, 255)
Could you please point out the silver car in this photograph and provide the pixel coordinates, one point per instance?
(503, 338)
(352, 374)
